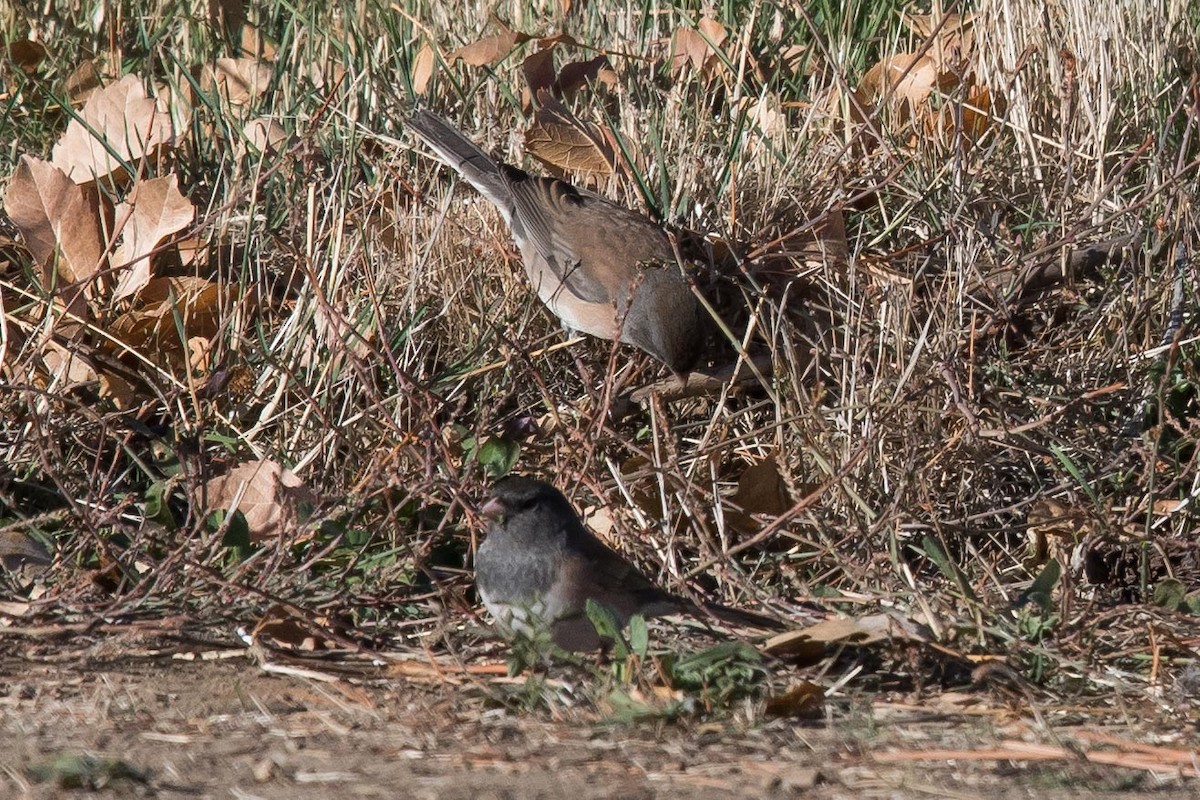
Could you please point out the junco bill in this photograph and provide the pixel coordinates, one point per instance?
(600, 268)
(538, 566)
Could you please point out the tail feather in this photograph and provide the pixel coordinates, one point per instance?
(741, 617)
(465, 157)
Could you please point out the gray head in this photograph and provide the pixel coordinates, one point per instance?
(527, 508)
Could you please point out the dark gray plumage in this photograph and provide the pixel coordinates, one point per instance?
(539, 565)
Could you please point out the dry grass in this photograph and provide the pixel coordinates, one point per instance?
(946, 404)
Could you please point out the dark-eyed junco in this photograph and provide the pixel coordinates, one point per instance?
(602, 269)
(539, 565)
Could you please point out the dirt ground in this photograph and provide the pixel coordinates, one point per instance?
(227, 728)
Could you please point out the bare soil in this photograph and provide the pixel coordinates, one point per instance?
(228, 728)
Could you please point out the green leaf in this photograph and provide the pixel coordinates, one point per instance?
(157, 508)
(1191, 603)
(934, 552)
(498, 455)
(1075, 472)
(605, 622)
(639, 635)
(1170, 594)
(1041, 591)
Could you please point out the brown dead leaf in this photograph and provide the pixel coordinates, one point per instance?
(563, 142)
(538, 71)
(154, 210)
(264, 135)
(489, 49)
(255, 45)
(83, 82)
(823, 244)
(279, 628)
(58, 220)
(422, 69)
(907, 79)
(565, 39)
(600, 520)
(23, 556)
(907, 82)
(761, 489)
(115, 388)
(954, 40)
(268, 495)
(977, 113)
(26, 54)
(765, 118)
(238, 81)
(128, 122)
(697, 47)
(858, 631)
(1054, 529)
(577, 74)
(151, 328)
(227, 15)
(805, 700)
(67, 368)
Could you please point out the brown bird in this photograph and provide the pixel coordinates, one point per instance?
(539, 566)
(600, 268)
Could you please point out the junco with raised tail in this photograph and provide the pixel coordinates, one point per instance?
(539, 565)
(600, 268)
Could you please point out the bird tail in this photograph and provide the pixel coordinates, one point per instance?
(453, 147)
(740, 617)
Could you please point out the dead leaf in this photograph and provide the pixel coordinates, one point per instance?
(264, 135)
(857, 631)
(422, 69)
(1054, 529)
(238, 81)
(67, 368)
(268, 495)
(560, 140)
(565, 39)
(698, 47)
(599, 519)
(761, 489)
(115, 388)
(823, 244)
(58, 220)
(151, 328)
(805, 700)
(538, 71)
(128, 122)
(26, 54)
(906, 79)
(154, 210)
(577, 74)
(83, 82)
(227, 15)
(281, 629)
(19, 550)
(907, 82)
(490, 49)
(255, 45)
(954, 40)
(765, 117)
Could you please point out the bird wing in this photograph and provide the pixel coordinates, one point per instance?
(594, 248)
(609, 578)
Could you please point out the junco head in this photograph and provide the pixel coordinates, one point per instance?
(600, 268)
(538, 566)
